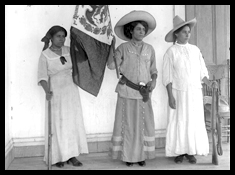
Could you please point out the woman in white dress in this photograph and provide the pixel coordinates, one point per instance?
(183, 72)
(68, 131)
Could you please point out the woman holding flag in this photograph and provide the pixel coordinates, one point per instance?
(133, 139)
(67, 126)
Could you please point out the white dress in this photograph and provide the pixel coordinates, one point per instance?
(68, 131)
(184, 67)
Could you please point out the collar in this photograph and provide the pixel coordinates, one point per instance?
(183, 45)
(135, 44)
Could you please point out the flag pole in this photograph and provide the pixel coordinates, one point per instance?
(115, 61)
(113, 47)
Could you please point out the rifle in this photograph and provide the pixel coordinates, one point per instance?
(214, 120)
(49, 155)
(219, 131)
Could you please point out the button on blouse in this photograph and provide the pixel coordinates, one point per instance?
(136, 67)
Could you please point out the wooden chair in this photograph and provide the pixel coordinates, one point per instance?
(216, 110)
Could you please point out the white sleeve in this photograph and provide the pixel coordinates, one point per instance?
(167, 69)
(203, 70)
(42, 69)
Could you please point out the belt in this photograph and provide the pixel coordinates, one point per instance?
(144, 90)
(132, 85)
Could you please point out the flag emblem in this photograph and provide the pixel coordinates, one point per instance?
(94, 20)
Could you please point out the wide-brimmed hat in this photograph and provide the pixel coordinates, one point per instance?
(136, 15)
(177, 23)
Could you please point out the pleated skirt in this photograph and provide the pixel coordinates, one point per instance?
(133, 138)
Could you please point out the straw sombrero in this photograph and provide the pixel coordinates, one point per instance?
(134, 16)
(178, 22)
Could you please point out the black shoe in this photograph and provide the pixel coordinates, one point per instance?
(129, 164)
(74, 161)
(179, 159)
(191, 159)
(59, 164)
(142, 163)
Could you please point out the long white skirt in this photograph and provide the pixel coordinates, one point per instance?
(186, 131)
(68, 131)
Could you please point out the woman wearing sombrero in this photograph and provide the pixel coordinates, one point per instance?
(133, 139)
(183, 72)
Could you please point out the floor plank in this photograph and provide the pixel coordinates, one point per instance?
(101, 161)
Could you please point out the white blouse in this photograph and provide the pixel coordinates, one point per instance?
(49, 63)
(184, 66)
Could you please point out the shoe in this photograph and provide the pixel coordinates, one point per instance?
(59, 164)
(179, 159)
(129, 164)
(142, 163)
(191, 159)
(74, 161)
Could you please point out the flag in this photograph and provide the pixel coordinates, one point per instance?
(91, 38)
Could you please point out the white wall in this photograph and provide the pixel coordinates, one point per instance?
(26, 25)
(8, 135)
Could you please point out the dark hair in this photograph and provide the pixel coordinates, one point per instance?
(50, 33)
(129, 27)
(56, 29)
(178, 30)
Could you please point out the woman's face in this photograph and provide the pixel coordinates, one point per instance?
(138, 33)
(58, 39)
(183, 36)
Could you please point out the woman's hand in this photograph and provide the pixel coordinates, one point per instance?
(151, 84)
(172, 102)
(114, 40)
(49, 96)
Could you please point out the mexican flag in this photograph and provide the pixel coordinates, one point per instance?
(90, 47)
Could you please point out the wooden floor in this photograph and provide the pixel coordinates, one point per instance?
(101, 161)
